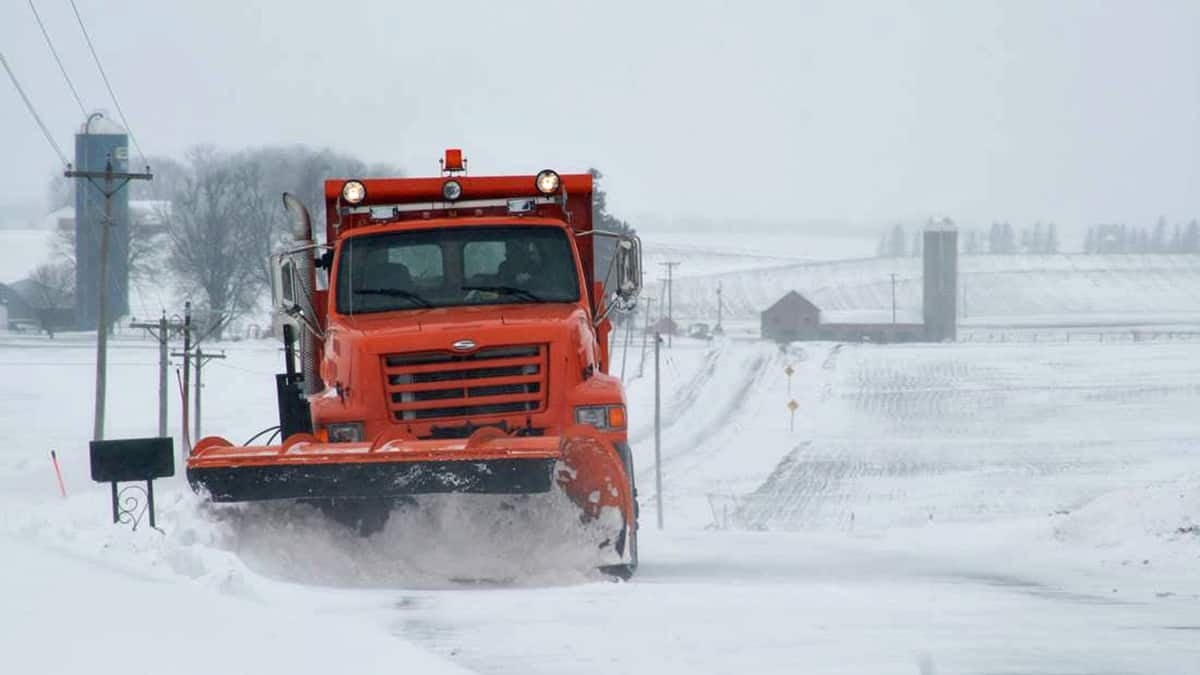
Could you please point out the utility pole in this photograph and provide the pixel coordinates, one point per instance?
(114, 181)
(162, 330)
(658, 430)
(893, 298)
(201, 359)
(719, 308)
(629, 321)
(670, 297)
(187, 366)
(646, 335)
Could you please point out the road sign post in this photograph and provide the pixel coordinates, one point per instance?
(658, 430)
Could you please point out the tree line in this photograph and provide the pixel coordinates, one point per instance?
(1161, 238)
(1003, 239)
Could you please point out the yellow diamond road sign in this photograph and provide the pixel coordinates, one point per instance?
(792, 405)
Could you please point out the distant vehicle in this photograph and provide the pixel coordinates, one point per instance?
(700, 331)
(456, 343)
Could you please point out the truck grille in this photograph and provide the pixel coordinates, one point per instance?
(490, 381)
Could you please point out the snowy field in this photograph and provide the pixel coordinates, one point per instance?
(994, 290)
(708, 253)
(1017, 508)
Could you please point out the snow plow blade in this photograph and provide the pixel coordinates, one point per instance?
(590, 469)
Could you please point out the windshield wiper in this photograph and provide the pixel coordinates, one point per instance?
(395, 293)
(506, 290)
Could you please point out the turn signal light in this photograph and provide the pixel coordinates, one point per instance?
(603, 417)
(616, 417)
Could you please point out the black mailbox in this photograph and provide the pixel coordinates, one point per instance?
(132, 459)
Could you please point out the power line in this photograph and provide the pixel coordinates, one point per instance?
(33, 111)
(107, 85)
(57, 59)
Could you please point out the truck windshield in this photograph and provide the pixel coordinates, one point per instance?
(455, 266)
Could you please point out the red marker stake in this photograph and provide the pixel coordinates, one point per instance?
(62, 489)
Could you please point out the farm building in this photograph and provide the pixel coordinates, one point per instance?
(794, 317)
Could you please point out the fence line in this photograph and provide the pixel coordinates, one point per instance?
(1078, 335)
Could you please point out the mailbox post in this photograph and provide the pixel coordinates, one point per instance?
(132, 460)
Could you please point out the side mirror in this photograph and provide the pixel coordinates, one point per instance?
(629, 269)
(289, 291)
(285, 284)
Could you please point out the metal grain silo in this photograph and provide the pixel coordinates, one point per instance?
(98, 142)
(941, 282)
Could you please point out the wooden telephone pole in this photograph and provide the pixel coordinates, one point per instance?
(200, 359)
(113, 182)
(670, 297)
(162, 330)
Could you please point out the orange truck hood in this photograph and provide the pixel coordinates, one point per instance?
(355, 345)
(456, 319)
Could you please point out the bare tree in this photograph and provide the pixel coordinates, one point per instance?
(211, 246)
(52, 293)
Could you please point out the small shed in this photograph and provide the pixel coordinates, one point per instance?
(792, 317)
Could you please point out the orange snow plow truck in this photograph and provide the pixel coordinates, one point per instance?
(447, 335)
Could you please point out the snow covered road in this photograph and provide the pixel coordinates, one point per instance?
(770, 603)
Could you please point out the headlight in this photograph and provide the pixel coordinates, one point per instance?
(603, 417)
(547, 182)
(353, 192)
(345, 432)
(451, 190)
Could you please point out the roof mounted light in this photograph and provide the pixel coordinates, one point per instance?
(454, 162)
(451, 190)
(354, 192)
(548, 182)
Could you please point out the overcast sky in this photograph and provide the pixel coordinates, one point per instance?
(845, 112)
